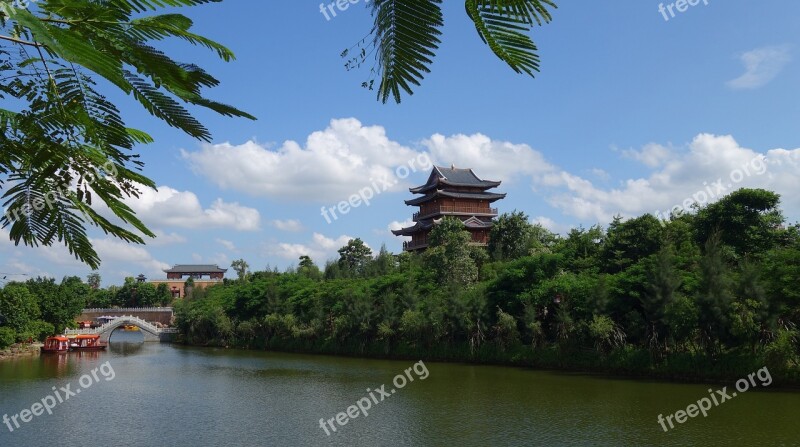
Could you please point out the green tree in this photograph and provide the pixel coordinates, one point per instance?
(405, 52)
(748, 220)
(511, 236)
(628, 242)
(7, 336)
(65, 146)
(582, 247)
(163, 294)
(240, 266)
(147, 295)
(661, 289)
(450, 255)
(18, 307)
(188, 287)
(715, 295)
(135, 294)
(59, 303)
(93, 279)
(102, 298)
(682, 316)
(605, 333)
(781, 270)
(354, 256)
(308, 269)
(383, 264)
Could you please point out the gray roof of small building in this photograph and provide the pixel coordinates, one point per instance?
(195, 268)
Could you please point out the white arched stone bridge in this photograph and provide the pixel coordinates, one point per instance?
(151, 332)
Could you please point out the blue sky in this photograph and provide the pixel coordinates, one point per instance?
(630, 114)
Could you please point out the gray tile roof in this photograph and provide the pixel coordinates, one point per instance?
(488, 196)
(195, 268)
(472, 222)
(408, 231)
(455, 177)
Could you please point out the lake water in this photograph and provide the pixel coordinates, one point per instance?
(161, 394)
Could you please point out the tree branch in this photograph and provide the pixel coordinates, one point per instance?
(20, 41)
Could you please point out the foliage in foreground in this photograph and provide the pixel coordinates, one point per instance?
(65, 145)
(405, 38)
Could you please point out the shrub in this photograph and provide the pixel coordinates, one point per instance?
(7, 337)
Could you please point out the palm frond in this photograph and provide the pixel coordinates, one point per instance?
(65, 146)
(406, 36)
(504, 25)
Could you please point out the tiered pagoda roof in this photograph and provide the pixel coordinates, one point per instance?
(454, 178)
(452, 192)
(488, 196)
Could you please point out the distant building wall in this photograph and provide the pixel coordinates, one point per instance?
(176, 286)
(161, 315)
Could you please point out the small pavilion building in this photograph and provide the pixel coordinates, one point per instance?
(202, 276)
(452, 192)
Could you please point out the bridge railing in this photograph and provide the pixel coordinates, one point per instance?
(116, 323)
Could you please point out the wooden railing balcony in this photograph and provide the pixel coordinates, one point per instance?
(414, 245)
(453, 209)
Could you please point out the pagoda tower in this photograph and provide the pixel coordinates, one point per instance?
(452, 192)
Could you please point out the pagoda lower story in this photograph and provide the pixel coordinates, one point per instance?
(452, 192)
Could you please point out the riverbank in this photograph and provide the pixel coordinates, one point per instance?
(20, 350)
(626, 363)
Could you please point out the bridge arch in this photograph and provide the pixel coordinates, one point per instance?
(150, 332)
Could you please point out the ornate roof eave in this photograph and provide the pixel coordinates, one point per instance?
(408, 231)
(485, 185)
(488, 196)
(439, 175)
(472, 222)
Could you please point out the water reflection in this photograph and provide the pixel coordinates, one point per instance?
(87, 355)
(126, 343)
(123, 336)
(126, 348)
(36, 366)
(56, 362)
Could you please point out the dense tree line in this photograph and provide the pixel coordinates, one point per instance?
(40, 307)
(710, 293)
(130, 294)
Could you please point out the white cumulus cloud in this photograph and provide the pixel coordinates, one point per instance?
(490, 159)
(711, 166)
(169, 207)
(121, 253)
(320, 248)
(334, 163)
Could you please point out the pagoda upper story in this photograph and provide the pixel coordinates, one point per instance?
(452, 192)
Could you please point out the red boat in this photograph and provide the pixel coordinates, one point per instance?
(88, 342)
(56, 345)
